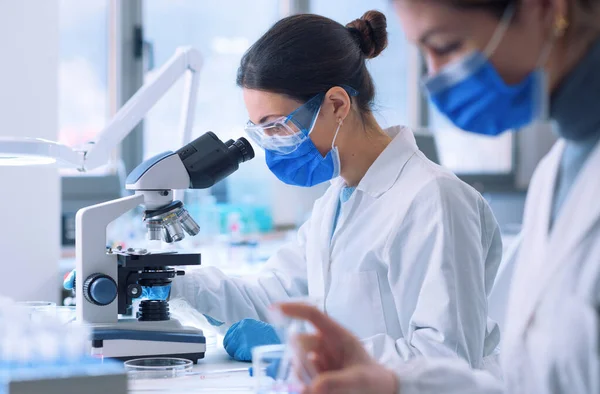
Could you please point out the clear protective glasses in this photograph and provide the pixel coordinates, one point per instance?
(285, 134)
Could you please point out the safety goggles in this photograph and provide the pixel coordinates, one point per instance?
(285, 134)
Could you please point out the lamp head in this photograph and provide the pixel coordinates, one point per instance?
(19, 151)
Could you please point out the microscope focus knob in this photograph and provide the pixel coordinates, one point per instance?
(100, 289)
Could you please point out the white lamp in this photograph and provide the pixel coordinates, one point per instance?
(30, 151)
(33, 258)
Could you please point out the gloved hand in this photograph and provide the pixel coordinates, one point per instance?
(246, 334)
(213, 322)
(148, 293)
(69, 281)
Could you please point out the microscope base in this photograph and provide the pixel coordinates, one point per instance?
(129, 338)
(129, 349)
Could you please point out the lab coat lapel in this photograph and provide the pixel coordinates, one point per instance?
(320, 266)
(533, 256)
(580, 212)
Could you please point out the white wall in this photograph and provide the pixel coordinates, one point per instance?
(29, 196)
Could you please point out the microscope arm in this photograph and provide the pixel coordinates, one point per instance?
(91, 223)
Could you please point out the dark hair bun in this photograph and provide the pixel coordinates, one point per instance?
(370, 32)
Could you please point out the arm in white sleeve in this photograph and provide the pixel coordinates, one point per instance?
(229, 299)
(433, 376)
(440, 275)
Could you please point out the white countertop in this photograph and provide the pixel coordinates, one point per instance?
(216, 373)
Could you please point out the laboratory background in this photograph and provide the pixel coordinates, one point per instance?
(68, 66)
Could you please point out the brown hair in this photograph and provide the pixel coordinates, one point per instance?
(304, 55)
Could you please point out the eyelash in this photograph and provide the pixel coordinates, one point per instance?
(448, 49)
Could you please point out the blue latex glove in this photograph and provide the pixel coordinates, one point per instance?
(69, 281)
(246, 334)
(213, 322)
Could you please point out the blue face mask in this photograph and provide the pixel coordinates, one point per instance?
(473, 96)
(305, 166)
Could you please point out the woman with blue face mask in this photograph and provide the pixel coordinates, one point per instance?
(496, 66)
(398, 250)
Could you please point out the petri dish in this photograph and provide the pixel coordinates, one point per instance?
(157, 368)
(61, 314)
(32, 307)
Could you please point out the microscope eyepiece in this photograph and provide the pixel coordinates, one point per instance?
(242, 149)
(208, 160)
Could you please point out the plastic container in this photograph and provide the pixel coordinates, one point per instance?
(284, 368)
(272, 372)
(157, 368)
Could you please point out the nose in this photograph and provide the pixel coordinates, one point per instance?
(434, 64)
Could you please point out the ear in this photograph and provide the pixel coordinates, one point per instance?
(338, 102)
(551, 11)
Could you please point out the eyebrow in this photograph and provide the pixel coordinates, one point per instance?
(264, 118)
(425, 37)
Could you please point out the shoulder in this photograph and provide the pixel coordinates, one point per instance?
(429, 183)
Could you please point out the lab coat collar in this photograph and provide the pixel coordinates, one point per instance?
(386, 169)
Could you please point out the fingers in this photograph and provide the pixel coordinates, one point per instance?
(337, 382)
(329, 329)
(321, 354)
(338, 342)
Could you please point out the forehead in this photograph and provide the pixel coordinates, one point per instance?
(421, 16)
(261, 104)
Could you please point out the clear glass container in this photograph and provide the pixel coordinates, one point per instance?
(32, 307)
(274, 371)
(157, 368)
(61, 314)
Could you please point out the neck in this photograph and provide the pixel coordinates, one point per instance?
(364, 143)
(575, 101)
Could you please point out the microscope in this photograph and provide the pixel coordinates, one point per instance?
(108, 281)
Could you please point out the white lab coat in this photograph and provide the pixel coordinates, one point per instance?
(552, 337)
(408, 270)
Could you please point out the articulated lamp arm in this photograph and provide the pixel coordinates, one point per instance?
(185, 61)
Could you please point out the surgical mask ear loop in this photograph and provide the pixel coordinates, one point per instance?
(560, 26)
(500, 30)
(340, 122)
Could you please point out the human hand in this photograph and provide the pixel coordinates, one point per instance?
(341, 362)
